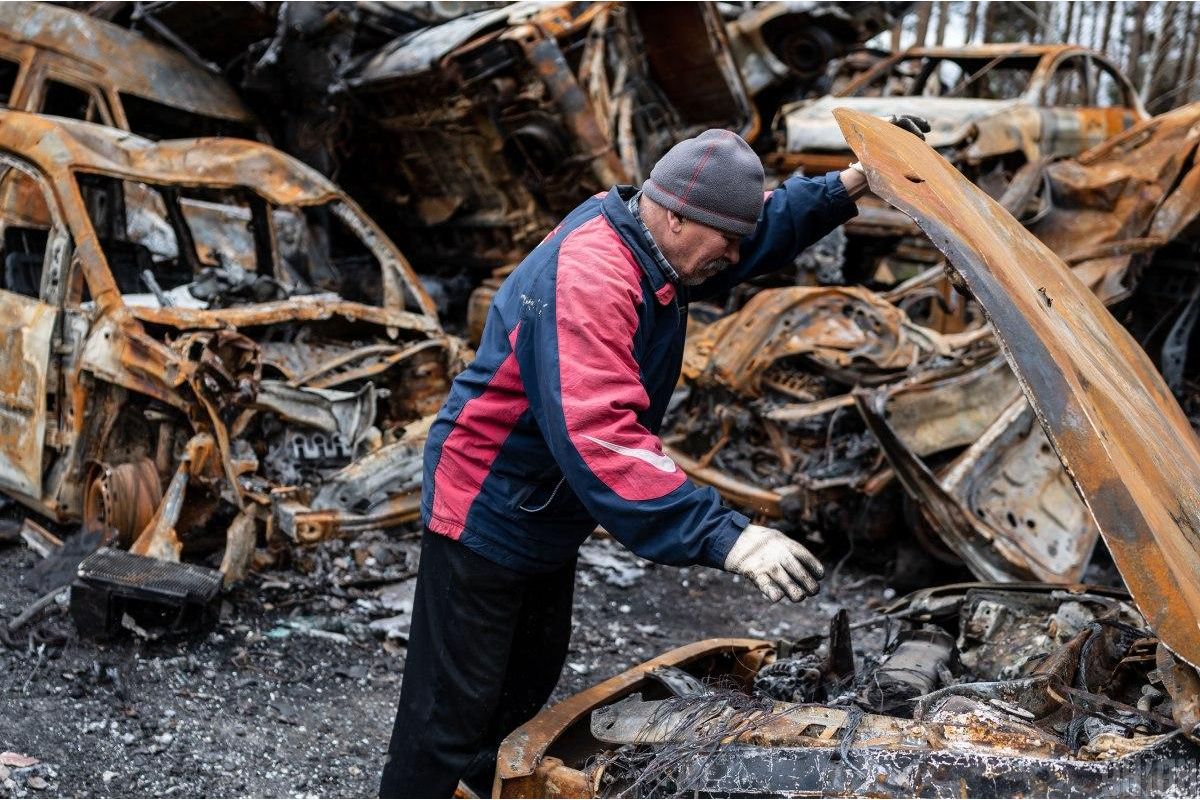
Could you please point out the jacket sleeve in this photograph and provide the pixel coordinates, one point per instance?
(797, 214)
(576, 356)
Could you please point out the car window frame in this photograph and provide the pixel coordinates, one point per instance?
(1089, 94)
(56, 261)
(49, 66)
(1127, 91)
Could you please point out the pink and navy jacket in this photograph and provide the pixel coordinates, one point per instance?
(554, 426)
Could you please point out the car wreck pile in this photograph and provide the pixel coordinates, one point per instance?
(1002, 688)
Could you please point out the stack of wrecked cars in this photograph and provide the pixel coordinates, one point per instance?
(768, 413)
(996, 688)
(211, 352)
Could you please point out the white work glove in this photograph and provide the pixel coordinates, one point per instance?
(777, 565)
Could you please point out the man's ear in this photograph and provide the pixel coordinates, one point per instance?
(674, 222)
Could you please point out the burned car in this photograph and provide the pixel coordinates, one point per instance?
(998, 111)
(488, 129)
(209, 346)
(776, 397)
(771, 416)
(66, 64)
(980, 689)
(984, 690)
(992, 107)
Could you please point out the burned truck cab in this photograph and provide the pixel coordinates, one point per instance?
(212, 352)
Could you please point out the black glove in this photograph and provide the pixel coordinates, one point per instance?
(915, 125)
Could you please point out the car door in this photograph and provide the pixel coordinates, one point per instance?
(34, 247)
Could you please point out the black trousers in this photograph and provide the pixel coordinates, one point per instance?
(485, 650)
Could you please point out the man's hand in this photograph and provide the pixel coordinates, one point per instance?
(915, 125)
(777, 565)
(854, 178)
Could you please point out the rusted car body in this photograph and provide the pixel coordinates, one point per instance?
(489, 128)
(795, 42)
(1122, 437)
(986, 689)
(994, 109)
(63, 63)
(991, 106)
(207, 345)
(773, 418)
(1030, 691)
(771, 424)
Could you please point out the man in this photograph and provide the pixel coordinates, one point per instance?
(554, 427)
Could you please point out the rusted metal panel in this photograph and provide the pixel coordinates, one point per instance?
(999, 725)
(1112, 420)
(26, 335)
(526, 748)
(769, 421)
(1005, 506)
(122, 58)
(841, 327)
(1117, 203)
(988, 131)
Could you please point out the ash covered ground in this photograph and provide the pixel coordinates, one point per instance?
(293, 692)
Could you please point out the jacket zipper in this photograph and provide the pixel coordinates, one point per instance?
(549, 499)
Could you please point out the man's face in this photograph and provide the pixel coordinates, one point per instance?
(697, 251)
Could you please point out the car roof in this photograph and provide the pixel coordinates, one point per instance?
(59, 146)
(993, 50)
(129, 61)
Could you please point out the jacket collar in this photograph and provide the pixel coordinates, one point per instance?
(616, 212)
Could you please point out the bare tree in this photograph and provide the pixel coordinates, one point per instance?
(1164, 39)
(1137, 39)
(1192, 55)
(1109, 10)
(943, 18)
(1068, 31)
(1094, 31)
(972, 22)
(923, 10)
(989, 22)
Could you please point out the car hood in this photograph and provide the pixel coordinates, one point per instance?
(812, 126)
(1110, 417)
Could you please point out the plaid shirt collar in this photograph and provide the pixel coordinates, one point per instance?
(665, 265)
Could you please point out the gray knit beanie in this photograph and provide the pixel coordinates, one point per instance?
(714, 179)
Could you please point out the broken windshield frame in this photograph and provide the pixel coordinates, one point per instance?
(203, 247)
(998, 78)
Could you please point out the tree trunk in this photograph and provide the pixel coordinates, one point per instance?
(1068, 29)
(1164, 40)
(1044, 31)
(923, 9)
(972, 22)
(1137, 38)
(943, 18)
(989, 22)
(897, 29)
(1191, 57)
(1109, 9)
